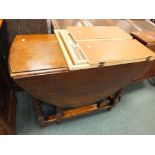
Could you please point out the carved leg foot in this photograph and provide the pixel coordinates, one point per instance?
(99, 103)
(38, 111)
(59, 115)
(108, 109)
(117, 97)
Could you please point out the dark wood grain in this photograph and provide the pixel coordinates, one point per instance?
(63, 87)
(148, 39)
(7, 98)
(61, 113)
(137, 26)
(35, 53)
(77, 88)
(37, 64)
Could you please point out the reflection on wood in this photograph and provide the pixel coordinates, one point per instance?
(104, 46)
(127, 25)
(115, 52)
(61, 87)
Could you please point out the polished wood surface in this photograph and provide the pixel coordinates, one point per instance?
(36, 53)
(106, 45)
(81, 87)
(13, 27)
(63, 88)
(146, 37)
(69, 88)
(97, 32)
(56, 85)
(115, 51)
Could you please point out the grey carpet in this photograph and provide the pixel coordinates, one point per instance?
(135, 114)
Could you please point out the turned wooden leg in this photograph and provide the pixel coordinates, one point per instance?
(117, 97)
(99, 104)
(38, 111)
(59, 115)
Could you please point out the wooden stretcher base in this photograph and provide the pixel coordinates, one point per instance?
(60, 114)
